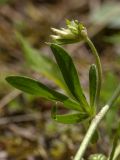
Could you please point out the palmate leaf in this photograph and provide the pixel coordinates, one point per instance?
(68, 118)
(36, 88)
(92, 84)
(70, 75)
(40, 63)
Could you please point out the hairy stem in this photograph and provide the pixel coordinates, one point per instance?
(99, 67)
(94, 125)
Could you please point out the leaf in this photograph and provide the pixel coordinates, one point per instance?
(69, 73)
(34, 87)
(95, 137)
(115, 142)
(93, 84)
(68, 118)
(40, 63)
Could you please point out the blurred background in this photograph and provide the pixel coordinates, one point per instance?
(27, 131)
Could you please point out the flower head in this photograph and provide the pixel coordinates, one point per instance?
(75, 32)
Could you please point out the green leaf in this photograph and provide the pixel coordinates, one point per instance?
(95, 137)
(68, 118)
(93, 84)
(69, 73)
(115, 142)
(40, 63)
(34, 87)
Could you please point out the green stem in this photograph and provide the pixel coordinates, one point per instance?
(98, 64)
(94, 125)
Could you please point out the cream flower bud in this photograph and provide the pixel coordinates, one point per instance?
(75, 32)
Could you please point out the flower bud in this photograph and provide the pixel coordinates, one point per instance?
(75, 32)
